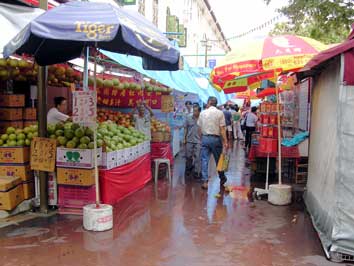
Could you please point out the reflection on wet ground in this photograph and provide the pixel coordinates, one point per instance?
(178, 225)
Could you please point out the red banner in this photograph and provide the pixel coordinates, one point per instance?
(128, 98)
(120, 182)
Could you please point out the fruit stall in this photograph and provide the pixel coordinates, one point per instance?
(124, 155)
(293, 123)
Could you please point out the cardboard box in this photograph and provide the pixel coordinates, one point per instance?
(135, 153)
(5, 124)
(139, 150)
(146, 147)
(23, 171)
(11, 114)
(28, 190)
(19, 155)
(109, 160)
(52, 189)
(11, 192)
(129, 154)
(28, 123)
(52, 177)
(120, 158)
(12, 100)
(30, 114)
(75, 177)
(125, 157)
(78, 158)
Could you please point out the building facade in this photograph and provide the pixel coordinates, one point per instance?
(192, 23)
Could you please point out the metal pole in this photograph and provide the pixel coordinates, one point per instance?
(97, 180)
(206, 53)
(279, 135)
(42, 123)
(86, 69)
(267, 174)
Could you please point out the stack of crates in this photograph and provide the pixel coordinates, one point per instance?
(14, 163)
(14, 114)
(29, 117)
(75, 178)
(11, 111)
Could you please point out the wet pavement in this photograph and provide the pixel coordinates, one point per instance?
(178, 225)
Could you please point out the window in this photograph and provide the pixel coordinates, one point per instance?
(142, 7)
(155, 10)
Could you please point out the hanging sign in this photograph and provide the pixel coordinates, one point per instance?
(43, 154)
(128, 98)
(212, 63)
(167, 104)
(84, 107)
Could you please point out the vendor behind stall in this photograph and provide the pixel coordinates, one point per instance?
(56, 114)
(142, 118)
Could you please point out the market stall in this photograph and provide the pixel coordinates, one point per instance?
(269, 59)
(330, 186)
(117, 144)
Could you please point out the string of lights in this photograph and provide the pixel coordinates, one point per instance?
(260, 27)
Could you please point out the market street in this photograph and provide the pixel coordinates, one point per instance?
(177, 227)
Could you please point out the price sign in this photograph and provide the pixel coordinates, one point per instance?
(167, 103)
(43, 154)
(84, 107)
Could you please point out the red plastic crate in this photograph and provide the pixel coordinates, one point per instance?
(264, 131)
(290, 152)
(273, 119)
(76, 196)
(265, 119)
(267, 145)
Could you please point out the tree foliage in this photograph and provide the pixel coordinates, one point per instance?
(328, 21)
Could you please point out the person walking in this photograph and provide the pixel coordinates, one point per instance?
(192, 139)
(251, 123)
(189, 108)
(236, 120)
(228, 121)
(213, 128)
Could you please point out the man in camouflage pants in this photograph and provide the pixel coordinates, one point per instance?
(192, 139)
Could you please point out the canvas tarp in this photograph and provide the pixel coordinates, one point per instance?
(13, 18)
(330, 187)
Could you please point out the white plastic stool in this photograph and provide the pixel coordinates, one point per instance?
(157, 164)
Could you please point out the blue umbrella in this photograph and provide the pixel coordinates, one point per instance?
(62, 33)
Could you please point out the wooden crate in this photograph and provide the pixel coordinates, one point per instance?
(12, 100)
(11, 114)
(29, 113)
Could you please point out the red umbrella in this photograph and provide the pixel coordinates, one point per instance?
(248, 94)
(268, 92)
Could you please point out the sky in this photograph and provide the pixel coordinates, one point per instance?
(239, 16)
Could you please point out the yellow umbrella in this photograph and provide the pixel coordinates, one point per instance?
(274, 53)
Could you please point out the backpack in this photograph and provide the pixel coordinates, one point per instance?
(243, 123)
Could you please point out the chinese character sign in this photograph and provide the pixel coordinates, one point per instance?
(167, 104)
(84, 107)
(128, 98)
(43, 154)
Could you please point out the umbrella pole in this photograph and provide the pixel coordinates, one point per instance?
(279, 136)
(42, 123)
(95, 138)
(86, 70)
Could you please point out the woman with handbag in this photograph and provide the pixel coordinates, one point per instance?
(250, 123)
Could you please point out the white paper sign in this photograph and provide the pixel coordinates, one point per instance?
(84, 107)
